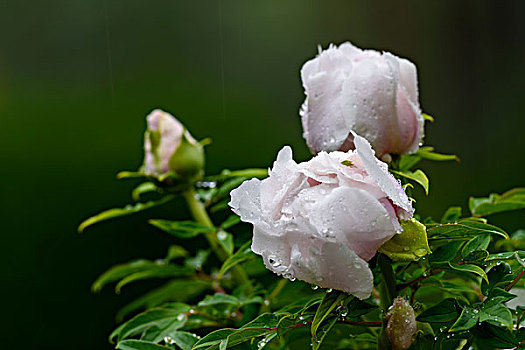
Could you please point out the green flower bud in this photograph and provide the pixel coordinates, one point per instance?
(401, 324)
(188, 159)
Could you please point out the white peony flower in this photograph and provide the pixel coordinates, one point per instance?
(373, 94)
(321, 221)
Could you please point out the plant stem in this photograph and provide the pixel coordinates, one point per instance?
(199, 213)
(515, 280)
(201, 216)
(429, 274)
(387, 293)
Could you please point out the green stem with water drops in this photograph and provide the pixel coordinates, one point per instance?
(199, 213)
(387, 293)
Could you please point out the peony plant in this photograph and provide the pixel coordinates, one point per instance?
(328, 253)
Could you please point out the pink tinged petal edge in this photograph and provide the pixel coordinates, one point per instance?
(379, 171)
(170, 130)
(410, 123)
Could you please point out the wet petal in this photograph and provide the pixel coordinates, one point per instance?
(379, 172)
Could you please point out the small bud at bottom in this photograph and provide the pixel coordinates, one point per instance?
(401, 324)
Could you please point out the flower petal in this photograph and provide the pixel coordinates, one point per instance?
(379, 172)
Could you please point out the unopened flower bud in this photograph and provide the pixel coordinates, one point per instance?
(401, 324)
(169, 147)
(371, 93)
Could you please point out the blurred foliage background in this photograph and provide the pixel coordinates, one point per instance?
(78, 77)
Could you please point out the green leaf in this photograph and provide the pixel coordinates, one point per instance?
(418, 176)
(198, 260)
(506, 255)
(464, 228)
(213, 339)
(183, 340)
(451, 215)
(499, 276)
(330, 302)
(225, 240)
(243, 254)
(232, 220)
(510, 200)
(446, 252)
(247, 333)
(160, 270)
(480, 242)
(222, 205)
(323, 331)
(219, 299)
(491, 337)
(428, 153)
(516, 241)
(178, 290)
(445, 311)
(133, 344)
(163, 319)
(469, 318)
(224, 190)
(358, 308)
(410, 245)
(120, 271)
(118, 212)
(498, 295)
(263, 325)
(246, 173)
(144, 187)
(267, 320)
(470, 268)
(519, 259)
(477, 256)
(496, 314)
(176, 251)
(131, 175)
(407, 161)
(182, 229)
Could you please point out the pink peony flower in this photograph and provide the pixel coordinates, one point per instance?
(371, 93)
(321, 221)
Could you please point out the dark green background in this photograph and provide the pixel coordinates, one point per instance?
(78, 77)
